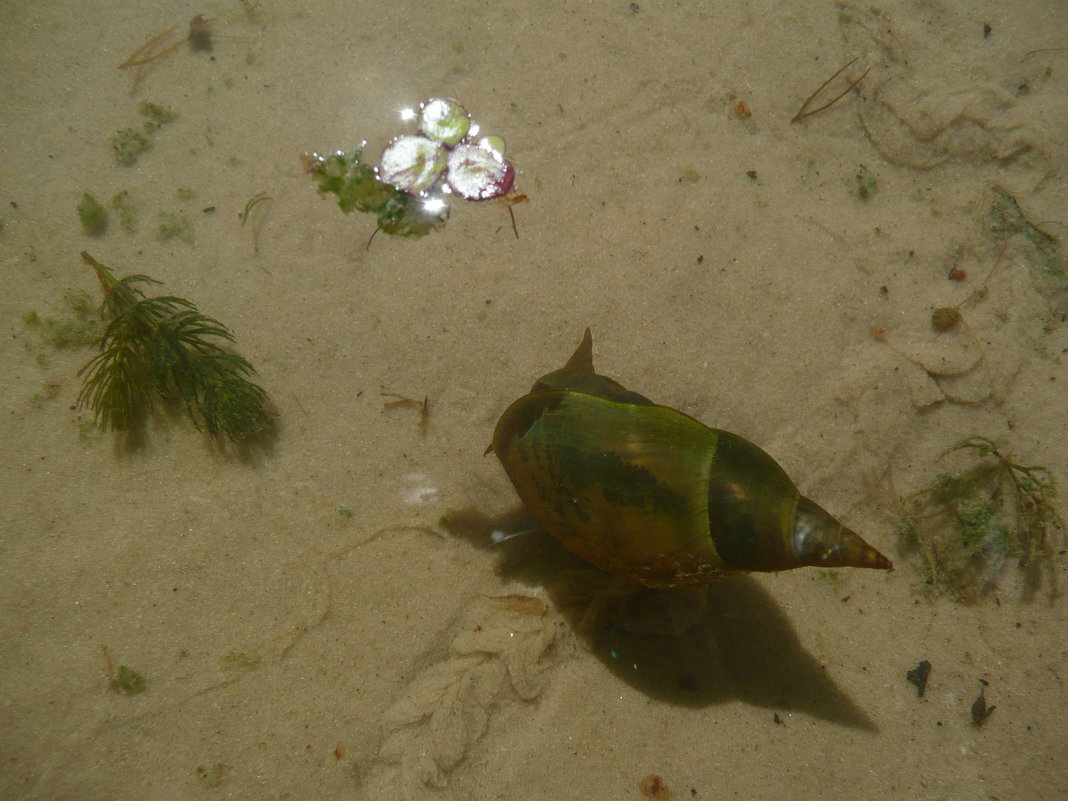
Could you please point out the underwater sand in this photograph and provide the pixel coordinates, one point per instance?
(305, 623)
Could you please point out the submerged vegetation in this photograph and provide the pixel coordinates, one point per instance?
(967, 525)
(1007, 222)
(129, 143)
(163, 350)
(81, 328)
(93, 215)
(123, 679)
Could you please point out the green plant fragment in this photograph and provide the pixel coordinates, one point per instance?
(126, 211)
(129, 143)
(1007, 221)
(93, 215)
(157, 115)
(128, 680)
(255, 200)
(175, 226)
(68, 332)
(357, 188)
(163, 350)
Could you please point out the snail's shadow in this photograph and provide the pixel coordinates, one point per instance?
(694, 647)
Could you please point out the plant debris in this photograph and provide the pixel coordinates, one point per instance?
(805, 111)
(157, 48)
(404, 402)
(967, 525)
(980, 711)
(652, 786)
(918, 676)
(123, 679)
(1007, 222)
(129, 143)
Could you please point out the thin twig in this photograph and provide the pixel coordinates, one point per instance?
(804, 112)
(138, 58)
(1042, 50)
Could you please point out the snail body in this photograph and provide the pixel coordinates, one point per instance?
(647, 492)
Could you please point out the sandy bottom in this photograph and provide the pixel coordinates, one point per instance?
(327, 616)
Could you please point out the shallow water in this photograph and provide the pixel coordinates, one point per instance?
(329, 616)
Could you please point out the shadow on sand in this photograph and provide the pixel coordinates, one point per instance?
(691, 647)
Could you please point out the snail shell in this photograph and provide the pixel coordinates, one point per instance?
(645, 491)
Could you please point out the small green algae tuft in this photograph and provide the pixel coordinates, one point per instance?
(174, 226)
(79, 330)
(126, 211)
(1044, 256)
(129, 143)
(123, 679)
(128, 680)
(968, 525)
(157, 115)
(93, 215)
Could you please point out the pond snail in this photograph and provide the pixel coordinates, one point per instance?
(647, 492)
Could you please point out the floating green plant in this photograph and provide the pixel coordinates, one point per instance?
(417, 174)
(357, 188)
(162, 349)
(968, 525)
